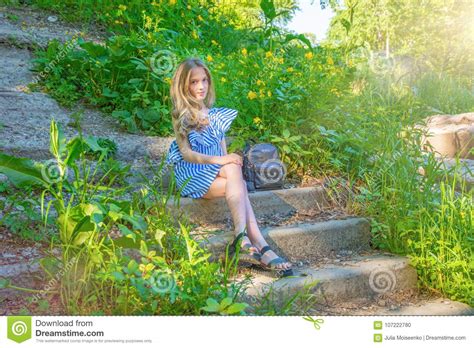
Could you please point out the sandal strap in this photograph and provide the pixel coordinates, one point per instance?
(265, 249)
(276, 261)
(247, 246)
(238, 237)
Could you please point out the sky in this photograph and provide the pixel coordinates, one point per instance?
(311, 19)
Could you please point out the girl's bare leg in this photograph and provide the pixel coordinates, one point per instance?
(232, 173)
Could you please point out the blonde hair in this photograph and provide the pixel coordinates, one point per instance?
(186, 109)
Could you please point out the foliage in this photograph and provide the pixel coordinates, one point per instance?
(421, 30)
(103, 274)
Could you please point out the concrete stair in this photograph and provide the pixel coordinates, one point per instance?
(359, 278)
(304, 200)
(335, 263)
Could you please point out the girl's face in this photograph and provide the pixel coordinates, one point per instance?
(198, 84)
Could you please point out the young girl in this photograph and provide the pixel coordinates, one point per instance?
(202, 167)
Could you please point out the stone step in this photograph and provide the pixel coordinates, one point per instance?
(15, 67)
(306, 241)
(34, 29)
(26, 118)
(416, 305)
(362, 278)
(305, 200)
(434, 307)
(18, 269)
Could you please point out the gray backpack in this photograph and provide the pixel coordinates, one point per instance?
(262, 167)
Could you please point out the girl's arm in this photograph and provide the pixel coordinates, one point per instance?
(192, 156)
(224, 146)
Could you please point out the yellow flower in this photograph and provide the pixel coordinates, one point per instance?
(223, 79)
(122, 7)
(290, 69)
(281, 60)
(148, 22)
(189, 7)
(244, 51)
(209, 58)
(194, 34)
(335, 92)
(269, 54)
(269, 93)
(309, 55)
(168, 80)
(330, 61)
(252, 95)
(172, 2)
(214, 42)
(154, 3)
(257, 120)
(200, 18)
(259, 82)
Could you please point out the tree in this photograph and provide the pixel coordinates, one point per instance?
(439, 32)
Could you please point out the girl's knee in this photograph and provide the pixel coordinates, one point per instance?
(233, 169)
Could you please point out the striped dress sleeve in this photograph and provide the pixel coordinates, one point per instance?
(223, 120)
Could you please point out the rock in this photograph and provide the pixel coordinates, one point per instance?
(451, 135)
(52, 19)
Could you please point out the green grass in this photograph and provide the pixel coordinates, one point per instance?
(421, 216)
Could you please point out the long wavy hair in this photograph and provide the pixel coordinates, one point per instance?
(186, 113)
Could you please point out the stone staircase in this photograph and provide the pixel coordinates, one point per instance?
(334, 262)
(331, 251)
(25, 116)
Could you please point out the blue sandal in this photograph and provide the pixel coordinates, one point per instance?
(245, 254)
(271, 266)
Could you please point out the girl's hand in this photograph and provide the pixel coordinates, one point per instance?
(232, 158)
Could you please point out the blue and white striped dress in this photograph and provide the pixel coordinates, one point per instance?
(207, 142)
